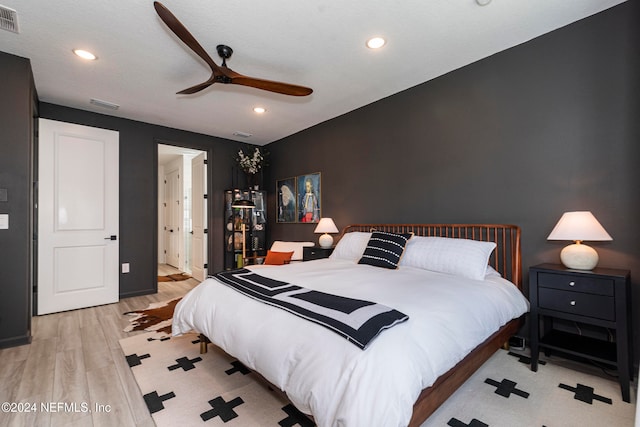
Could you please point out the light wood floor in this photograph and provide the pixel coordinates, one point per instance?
(75, 358)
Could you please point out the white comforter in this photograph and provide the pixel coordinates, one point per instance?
(330, 378)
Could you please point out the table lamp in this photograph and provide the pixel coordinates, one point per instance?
(326, 226)
(243, 204)
(579, 226)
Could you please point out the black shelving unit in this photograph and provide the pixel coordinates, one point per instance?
(255, 222)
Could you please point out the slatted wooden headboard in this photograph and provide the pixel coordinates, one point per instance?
(506, 258)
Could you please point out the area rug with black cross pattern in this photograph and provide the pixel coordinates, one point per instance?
(183, 387)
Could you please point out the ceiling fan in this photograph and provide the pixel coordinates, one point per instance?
(222, 74)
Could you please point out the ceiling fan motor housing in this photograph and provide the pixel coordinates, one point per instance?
(224, 51)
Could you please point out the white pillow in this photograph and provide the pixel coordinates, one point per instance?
(296, 247)
(351, 246)
(460, 257)
(491, 272)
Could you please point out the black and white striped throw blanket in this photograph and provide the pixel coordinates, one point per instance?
(357, 320)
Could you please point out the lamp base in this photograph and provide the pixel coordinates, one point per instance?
(579, 257)
(326, 240)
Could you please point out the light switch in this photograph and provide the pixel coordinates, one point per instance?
(4, 221)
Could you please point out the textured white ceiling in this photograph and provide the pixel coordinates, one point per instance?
(321, 44)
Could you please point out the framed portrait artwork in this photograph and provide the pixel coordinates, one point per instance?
(308, 197)
(286, 191)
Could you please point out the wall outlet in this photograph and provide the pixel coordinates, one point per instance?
(125, 267)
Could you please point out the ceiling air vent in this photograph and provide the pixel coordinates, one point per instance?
(103, 104)
(8, 19)
(243, 134)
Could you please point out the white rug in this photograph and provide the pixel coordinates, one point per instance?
(183, 387)
(504, 392)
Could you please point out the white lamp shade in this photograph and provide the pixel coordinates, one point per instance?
(326, 225)
(579, 226)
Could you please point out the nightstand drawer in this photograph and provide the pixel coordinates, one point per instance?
(591, 285)
(582, 304)
(309, 253)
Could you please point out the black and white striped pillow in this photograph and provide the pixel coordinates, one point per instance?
(384, 249)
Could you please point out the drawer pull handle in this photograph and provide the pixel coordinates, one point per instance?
(572, 283)
(572, 303)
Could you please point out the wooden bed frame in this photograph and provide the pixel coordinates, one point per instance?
(506, 259)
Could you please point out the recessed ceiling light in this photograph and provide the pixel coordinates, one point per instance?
(259, 110)
(376, 42)
(85, 54)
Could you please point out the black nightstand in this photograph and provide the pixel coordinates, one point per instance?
(600, 297)
(315, 252)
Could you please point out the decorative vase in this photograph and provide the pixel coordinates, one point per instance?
(253, 181)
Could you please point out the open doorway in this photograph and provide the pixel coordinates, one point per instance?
(182, 238)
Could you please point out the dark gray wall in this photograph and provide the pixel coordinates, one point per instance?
(138, 189)
(17, 108)
(549, 126)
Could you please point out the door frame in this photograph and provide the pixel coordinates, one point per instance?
(209, 202)
(199, 215)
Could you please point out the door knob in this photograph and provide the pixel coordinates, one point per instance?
(112, 237)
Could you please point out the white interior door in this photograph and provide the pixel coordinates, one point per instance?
(198, 216)
(78, 212)
(173, 218)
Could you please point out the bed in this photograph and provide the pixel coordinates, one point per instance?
(445, 274)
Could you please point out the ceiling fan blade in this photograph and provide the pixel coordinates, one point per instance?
(197, 88)
(183, 34)
(271, 86)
